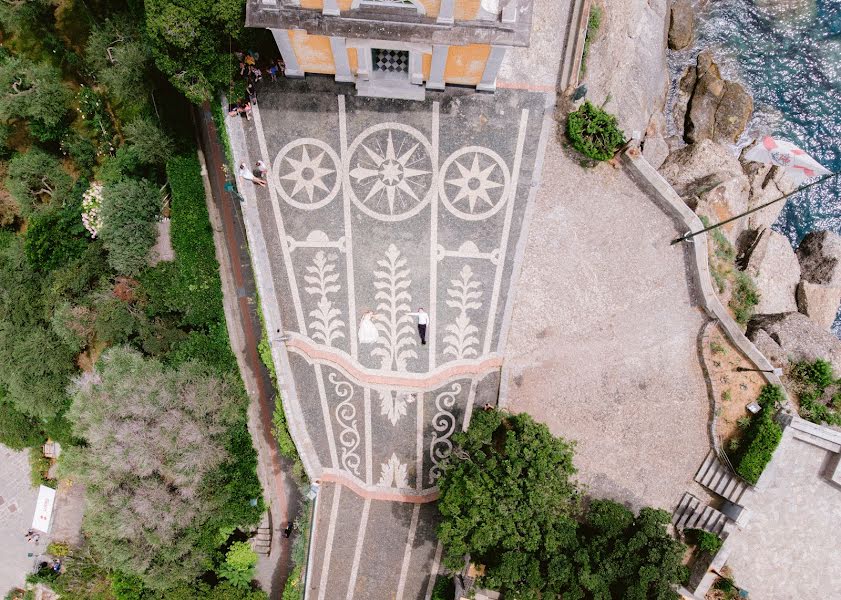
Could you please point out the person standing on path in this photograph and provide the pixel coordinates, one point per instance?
(423, 321)
(368, 332)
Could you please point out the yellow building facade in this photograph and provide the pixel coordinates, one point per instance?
(395, 48)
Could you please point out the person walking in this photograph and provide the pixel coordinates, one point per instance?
(246, 173)
(423, 321)
(261, 169)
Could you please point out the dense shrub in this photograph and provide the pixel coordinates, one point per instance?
(36, 179)
(130, 209)
(811, 382)
(594, 132)
(706, 542)
(239, 565)
(56, 236)
(762, 436)
(149, 142)
(192, 240)
(17, 430)
(745, 297)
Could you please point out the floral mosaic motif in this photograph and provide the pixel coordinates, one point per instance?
(345, 412)
(443, 424)
(393, 473)
(394, 404)
(322, 280)
(391, 171)
(397, 342)
(461, 337)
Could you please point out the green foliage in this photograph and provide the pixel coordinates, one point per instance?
(117, 54)
(22, 16)
(512, 491)
(35, 365)
(39, 465)
(239, 565)
(56, 236)
(594, 23)
(264, 348)
(34, 92)
(717, 348)
(80, 150)
(17, 430)
(745, 297)
(811, 381)
(160, 437)
(594, 132)
(126, 587)
(286, 445)
(706, 542)
(58, 549)
(190, 42)
(761, 438)
(294, 588)
(507, 499)
(94, 112)
(211, 347)
(192, 240)
(36, 179)
(129, 213)
(151, 144)
(444, 589)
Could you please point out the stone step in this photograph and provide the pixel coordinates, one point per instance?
(718, 478)
(685, 510)
(691, 515)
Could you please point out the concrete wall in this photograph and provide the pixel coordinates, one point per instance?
(313, 52)
(465, 64)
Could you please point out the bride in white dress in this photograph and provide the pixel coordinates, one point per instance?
(368, 333)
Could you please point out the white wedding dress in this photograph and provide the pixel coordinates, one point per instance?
(368, 333)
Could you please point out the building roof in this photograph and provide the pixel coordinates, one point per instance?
(388, 24)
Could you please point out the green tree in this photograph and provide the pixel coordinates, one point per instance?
(190, 40)
(34, 92)
(150, 143)
(507, 499)
(118, 55)
(129, 212)
(154, 436)
(239, 565)
(35, 365)
(36, 179)
(56, 235)
(18, 16)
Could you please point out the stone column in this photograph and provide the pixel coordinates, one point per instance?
(488, 83)
(339, 48)
(331, 7)
(445, 13)
(439, 63)
(363, 62)
(416, 67)
(281, 38)
(509, 12)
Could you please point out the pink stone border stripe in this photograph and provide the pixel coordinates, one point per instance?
(364, 376)
(332, 477)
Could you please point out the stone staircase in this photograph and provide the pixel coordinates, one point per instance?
(690, 514)
(719, 479)
(262, 540)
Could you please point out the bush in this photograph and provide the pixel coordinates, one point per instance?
(443, 588)
(39, 465)
(239, 564)
(594, 132)
(704, 540)
(762, 437)
(745, 297)
(192, 240)
(129, 212)
(56, 236)
(151, 144)
(812, 380)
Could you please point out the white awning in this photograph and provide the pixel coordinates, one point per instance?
(44, 509)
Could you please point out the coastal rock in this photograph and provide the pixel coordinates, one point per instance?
(819, 302)
(686, 84)
(767, 182)
(627, 62)
(773, 265)
(769, 348)
(718, 109)
(795, 337)
(682, 26)
(711, 181)
(820, 258)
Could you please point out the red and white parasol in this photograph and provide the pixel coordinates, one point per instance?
(797, 164)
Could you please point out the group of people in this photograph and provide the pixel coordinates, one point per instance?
(257, 176)
(251, 73)
(33, 536)
(369, 334)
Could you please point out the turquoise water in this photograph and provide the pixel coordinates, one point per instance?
(791, 63)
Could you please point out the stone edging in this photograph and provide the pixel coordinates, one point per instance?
(715, 391)
(673, 205)
(574, 51)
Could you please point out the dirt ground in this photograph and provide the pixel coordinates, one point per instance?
(735, 389)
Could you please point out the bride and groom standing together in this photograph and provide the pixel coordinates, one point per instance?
(368, 333)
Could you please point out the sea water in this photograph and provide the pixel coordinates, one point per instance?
(787, 53)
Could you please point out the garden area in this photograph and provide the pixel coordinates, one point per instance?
(122, 357)
(509, 500)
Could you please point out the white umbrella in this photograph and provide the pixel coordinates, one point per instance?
(797, 164)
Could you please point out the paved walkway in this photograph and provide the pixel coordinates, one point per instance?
(17, 507)
(385, 206)
(603, 346)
